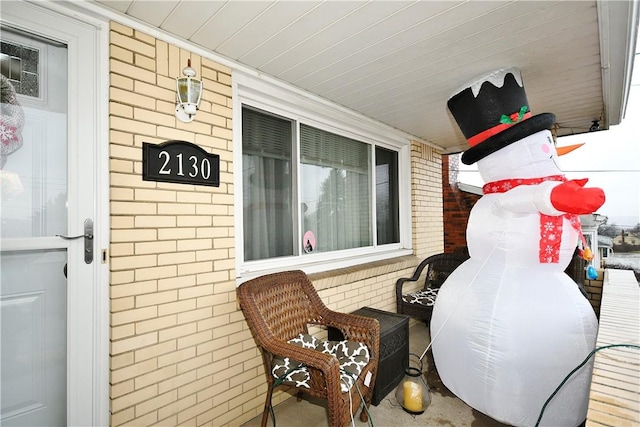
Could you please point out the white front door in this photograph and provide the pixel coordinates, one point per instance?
(50, 292)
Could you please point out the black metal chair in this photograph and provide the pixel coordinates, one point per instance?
(419, 303)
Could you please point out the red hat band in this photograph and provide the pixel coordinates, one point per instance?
(488, 133)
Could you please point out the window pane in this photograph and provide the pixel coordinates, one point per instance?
(19, 64)
(387, 209)
(267, 185)
(33, 152)
(336, 196)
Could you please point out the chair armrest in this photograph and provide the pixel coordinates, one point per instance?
(313, 359)
(416, 275)
(309, 357)
(356, 328)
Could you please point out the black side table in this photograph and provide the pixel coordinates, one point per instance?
(394, 349)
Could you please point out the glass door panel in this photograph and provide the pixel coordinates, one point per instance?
(33, 210)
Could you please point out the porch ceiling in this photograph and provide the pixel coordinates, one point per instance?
(399, 61)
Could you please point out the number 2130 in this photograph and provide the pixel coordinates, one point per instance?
(194, 169)
(180, 162)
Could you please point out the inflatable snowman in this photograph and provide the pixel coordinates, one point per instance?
(508, 324)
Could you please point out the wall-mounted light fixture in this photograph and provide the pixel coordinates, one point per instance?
(189, 92)
(595, 125)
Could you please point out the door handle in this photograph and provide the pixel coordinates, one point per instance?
(86, 236)
(88, 240)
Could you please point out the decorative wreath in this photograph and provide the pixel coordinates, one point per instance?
(11, 121)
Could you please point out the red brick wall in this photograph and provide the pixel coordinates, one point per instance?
(456, 205)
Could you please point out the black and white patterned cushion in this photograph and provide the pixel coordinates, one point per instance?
(352, 356)
(426, 297)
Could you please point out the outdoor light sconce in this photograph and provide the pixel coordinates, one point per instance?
(189, 91)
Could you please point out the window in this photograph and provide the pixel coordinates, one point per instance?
(589, 238)
(387, 208)
(267, 186)
(316, 192)
(19, 64)
(335, 181)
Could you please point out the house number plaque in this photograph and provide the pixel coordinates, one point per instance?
(181, 162)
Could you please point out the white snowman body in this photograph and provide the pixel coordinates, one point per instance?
(506, 327)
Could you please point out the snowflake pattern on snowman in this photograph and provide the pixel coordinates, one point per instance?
(509, 324)
(8, 134)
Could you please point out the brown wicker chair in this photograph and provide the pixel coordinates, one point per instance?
(278, 307)
(419, 304)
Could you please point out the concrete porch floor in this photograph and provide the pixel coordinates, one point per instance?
(445, 409)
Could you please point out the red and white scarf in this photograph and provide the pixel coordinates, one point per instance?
(550, 226)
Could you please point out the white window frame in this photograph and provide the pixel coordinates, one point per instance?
(592, 236)
(275, 97)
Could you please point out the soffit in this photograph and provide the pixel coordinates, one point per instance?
(399, 61)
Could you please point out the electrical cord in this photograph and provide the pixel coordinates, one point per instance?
(576, 369)
(282, 377)
(364, 405)
(275, 384)
(353, 423)
(563, 381)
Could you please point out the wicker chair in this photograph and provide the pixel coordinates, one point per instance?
(419, 303)
(278, 308)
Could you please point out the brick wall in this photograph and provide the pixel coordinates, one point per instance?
(594, 291)
(426, 198)
(457, 205)
(181, 352)
(174, 322)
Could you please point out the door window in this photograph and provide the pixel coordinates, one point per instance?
(33, 175)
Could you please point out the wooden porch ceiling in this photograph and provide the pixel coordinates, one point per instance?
(399, 61)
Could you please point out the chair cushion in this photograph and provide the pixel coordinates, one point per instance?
(426, 297)
(352, 356)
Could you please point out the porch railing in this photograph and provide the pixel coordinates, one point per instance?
(614, 399)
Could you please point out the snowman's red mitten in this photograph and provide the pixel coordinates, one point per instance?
(572, 197)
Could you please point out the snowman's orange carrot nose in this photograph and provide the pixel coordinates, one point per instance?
(568, 148)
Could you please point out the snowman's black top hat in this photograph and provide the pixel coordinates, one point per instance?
(493, 112)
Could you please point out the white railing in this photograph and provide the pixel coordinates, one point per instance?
(614, 399)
